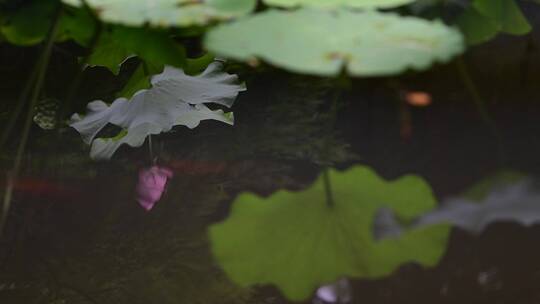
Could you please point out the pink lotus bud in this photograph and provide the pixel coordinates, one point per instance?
(151, 185)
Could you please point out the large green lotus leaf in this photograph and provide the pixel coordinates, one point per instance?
(296, 241)
(368, 4)
(325, 42)
(167, 12)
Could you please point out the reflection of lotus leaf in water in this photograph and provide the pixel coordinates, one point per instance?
(174, 99)
(518, 202)
(298, 242)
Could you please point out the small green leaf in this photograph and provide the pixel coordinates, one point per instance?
(506, 14)
(484, 19)
(77, 24)
(298, 242)
(153, 46)
(476, 27)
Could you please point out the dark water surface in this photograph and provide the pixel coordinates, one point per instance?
(75, 233)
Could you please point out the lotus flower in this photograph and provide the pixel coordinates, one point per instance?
(151, 185)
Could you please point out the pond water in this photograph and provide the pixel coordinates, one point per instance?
(75, 232)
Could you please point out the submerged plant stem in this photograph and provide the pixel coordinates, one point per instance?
(471, 87)
(41, 69)
(328, 189)
(20, 105)
(334, 108)
(480, 105)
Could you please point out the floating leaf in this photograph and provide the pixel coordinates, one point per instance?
(325, 42)
(167, 12)
(174, 99)
(368, 4)
(298, 242)
(29, 25)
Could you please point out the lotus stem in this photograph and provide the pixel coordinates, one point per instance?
(151, 150)
(43, 64)
(328, 189)
(480, 105)
(20, 105)
(326, 176)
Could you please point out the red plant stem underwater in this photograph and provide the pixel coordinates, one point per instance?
(41, 187)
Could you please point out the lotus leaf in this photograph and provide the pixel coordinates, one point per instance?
(167, 12)
(326, 42)
(174, 99)
(140, 79)
(298, 242)
(120, 43)
(368, 4)
(484, 19)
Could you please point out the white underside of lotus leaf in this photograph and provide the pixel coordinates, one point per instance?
(174, 99)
